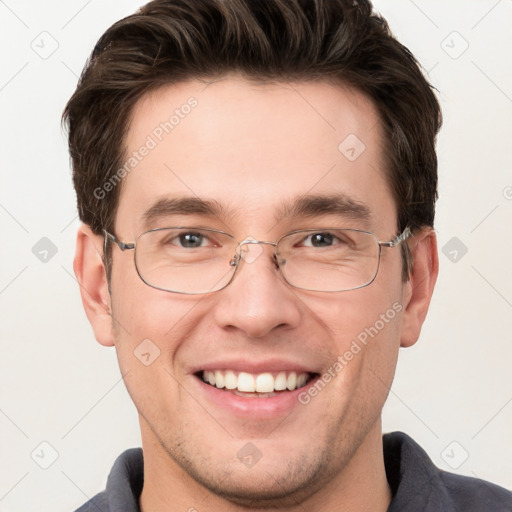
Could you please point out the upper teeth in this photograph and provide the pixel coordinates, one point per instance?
(259, 383)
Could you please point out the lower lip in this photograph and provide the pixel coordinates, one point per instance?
(259, 408)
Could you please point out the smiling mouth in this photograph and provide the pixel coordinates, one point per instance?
(261, 385)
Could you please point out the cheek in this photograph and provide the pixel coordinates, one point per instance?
(365, 344)
(140, 311)
(148, 324)
(360, 314)
(364, 332)
(150, 331)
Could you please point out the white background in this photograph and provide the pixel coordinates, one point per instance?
(453, 390)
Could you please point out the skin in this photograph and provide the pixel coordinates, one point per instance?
(252, 147)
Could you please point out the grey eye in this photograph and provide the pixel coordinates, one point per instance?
(191, 240)
(319, 240)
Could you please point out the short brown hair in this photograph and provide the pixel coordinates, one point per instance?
(168, 41)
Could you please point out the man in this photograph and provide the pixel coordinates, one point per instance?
(257, 181)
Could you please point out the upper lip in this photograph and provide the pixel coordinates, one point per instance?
(255, 367)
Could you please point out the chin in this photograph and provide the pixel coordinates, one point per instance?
(282, 485)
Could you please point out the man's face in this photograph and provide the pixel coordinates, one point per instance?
(254, 150)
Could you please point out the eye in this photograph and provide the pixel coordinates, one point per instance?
(185, 240)
(176, 239)
(320, 240)
(190, 240)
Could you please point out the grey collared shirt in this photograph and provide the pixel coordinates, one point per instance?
(417, 485)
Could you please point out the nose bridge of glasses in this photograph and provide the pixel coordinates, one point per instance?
(250, 250)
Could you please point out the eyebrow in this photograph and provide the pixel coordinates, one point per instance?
(303, 206)
(182, 206)
(315, 205)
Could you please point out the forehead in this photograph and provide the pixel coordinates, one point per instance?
(253, 149)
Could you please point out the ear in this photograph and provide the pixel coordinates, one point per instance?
(92, 278)
(418, 290)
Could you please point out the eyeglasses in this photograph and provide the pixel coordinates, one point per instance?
(193, 260)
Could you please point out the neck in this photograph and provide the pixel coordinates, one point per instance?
(359, 486)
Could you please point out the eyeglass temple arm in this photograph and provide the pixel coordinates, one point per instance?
(122, 245)
(406, 233)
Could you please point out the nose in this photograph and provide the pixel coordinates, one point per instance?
(258, 300)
